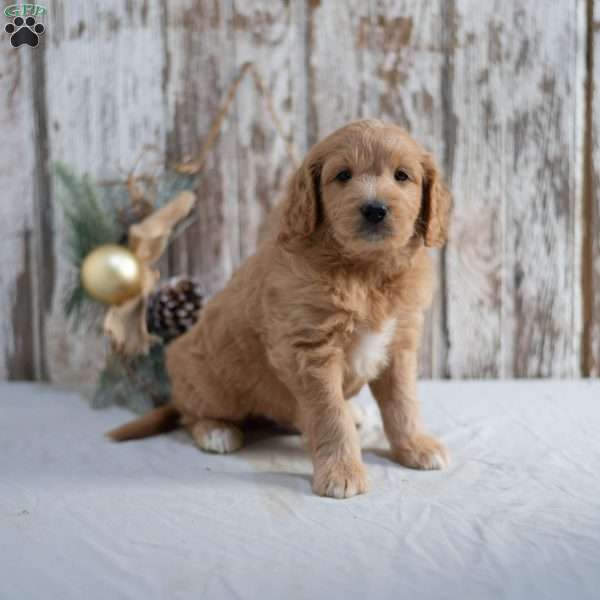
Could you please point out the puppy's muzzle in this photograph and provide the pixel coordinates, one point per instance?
(374, 211)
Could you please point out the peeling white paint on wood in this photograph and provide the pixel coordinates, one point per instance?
(593, 286)
(104, 65)
(200, 69)
(335, 71)
(17, 177)
(513, 263)
(266, 34)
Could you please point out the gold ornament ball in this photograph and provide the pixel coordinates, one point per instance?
(111, 274)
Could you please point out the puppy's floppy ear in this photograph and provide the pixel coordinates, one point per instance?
(437, 203)
(301, 207)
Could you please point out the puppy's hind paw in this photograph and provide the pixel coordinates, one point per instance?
(217, 437)
(422, 452)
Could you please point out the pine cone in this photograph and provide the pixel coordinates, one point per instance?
(174, 307)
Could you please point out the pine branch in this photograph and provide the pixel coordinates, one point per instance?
(89, 225)
(140, 383)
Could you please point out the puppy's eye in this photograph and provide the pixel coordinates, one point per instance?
(400, 175)
(343, 176)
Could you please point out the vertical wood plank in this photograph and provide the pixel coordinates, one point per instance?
(383, 59)
(336, 86)
(270, 36)
(200, 68)
(18, 332)
(591, 283)
(104, 67)
(513, 263)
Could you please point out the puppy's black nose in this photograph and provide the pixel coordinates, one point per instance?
(374, 211)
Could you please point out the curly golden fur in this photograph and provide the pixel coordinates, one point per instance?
(333, 298)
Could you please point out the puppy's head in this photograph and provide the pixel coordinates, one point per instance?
(372, 188)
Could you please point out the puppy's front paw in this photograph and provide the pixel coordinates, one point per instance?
(342, 480)
(422, 452)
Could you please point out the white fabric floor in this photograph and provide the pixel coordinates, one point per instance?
(517, 515)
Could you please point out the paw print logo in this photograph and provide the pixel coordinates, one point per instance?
(24, 31)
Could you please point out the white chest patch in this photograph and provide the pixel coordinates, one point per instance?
(370, 354)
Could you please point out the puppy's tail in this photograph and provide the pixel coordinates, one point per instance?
(160, 420)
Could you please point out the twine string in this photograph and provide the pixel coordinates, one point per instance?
(193, 167)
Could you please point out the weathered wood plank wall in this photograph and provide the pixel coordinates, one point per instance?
(591, 282)
(200, 65)
(497, 90)
(18, 332)
(513, 264)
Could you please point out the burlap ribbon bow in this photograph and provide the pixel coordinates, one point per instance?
(125, 324)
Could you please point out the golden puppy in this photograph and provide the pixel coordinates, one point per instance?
(333, 299)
